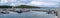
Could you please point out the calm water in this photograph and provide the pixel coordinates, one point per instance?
(27, 15)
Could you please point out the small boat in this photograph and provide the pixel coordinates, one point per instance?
(19, 11)
(3, 12)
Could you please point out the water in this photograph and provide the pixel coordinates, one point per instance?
(26, 15)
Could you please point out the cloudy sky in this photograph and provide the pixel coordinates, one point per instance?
(38, 3)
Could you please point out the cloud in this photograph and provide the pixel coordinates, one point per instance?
(36, 3)
(46, 0)
(12, 1)
(58, 0)
(42, 4)
(20, 2)
(3, 1)
(14, 4)
(49, 3)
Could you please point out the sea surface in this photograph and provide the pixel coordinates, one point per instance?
(29, 14)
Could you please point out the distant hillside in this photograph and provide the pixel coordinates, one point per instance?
(5, 6)
(26, 6)
(22, 6)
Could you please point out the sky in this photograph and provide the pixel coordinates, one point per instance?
(37, 3)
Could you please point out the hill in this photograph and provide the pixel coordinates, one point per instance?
(26, 6)
(4, 6)
(21, 6)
